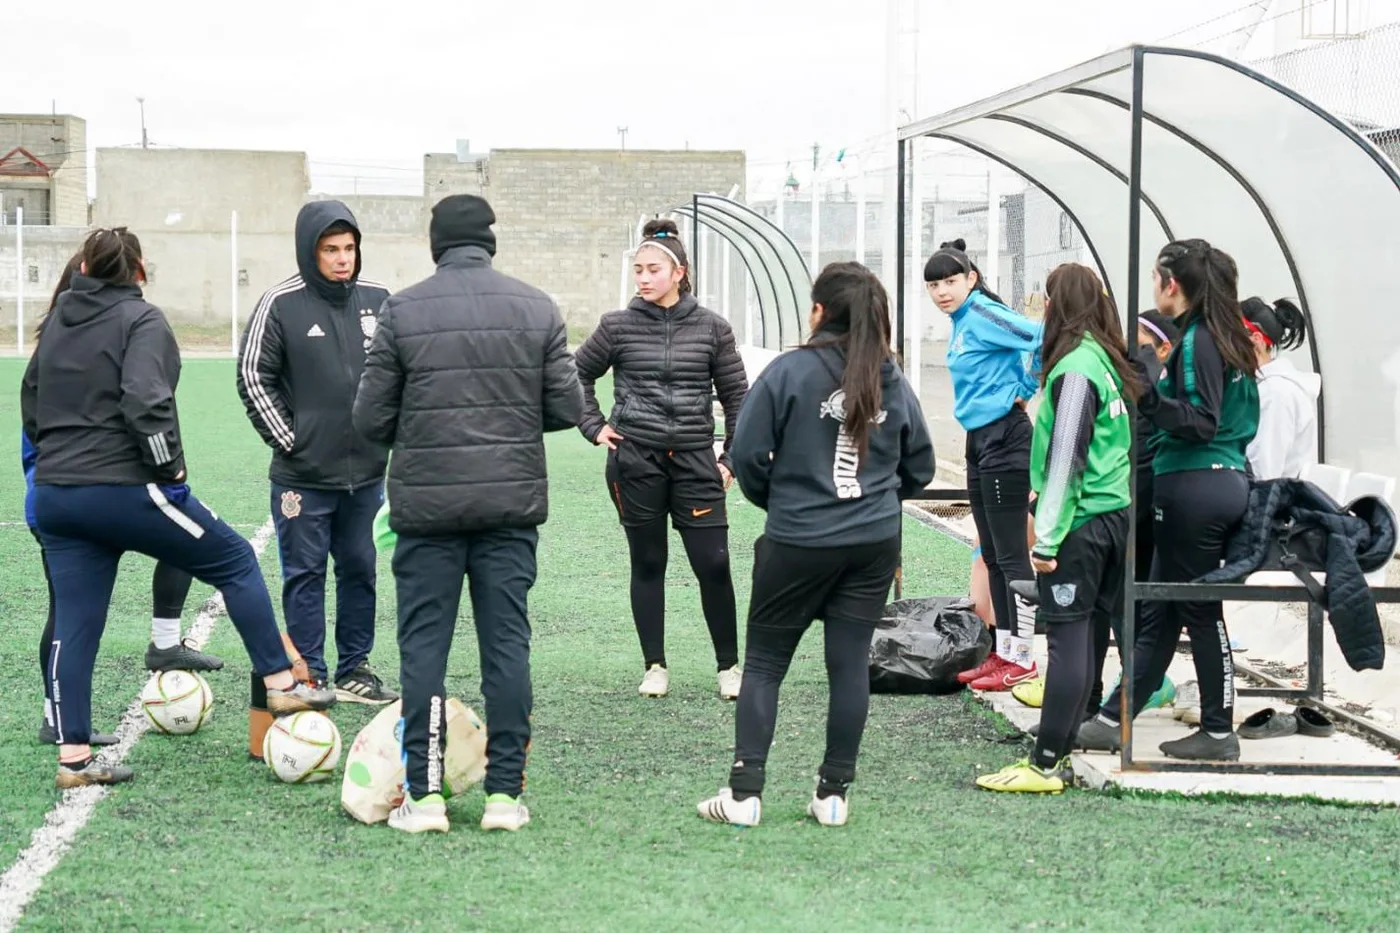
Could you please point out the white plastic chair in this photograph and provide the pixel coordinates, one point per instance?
(1330, 479)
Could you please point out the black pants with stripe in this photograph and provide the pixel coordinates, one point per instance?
(85, 530)
(999, 492)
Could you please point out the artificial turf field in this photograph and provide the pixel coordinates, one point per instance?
(207, 839)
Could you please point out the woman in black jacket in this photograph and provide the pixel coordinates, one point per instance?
(669, 358)
(98, 402)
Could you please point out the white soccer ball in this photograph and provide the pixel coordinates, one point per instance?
(177, 702)
(302, 748)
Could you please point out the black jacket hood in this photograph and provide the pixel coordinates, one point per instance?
(312, 222)
(87, 297)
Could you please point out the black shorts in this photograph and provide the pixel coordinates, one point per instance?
(794, 585)
(1088, 577)
(1004, 446)
(645, 483)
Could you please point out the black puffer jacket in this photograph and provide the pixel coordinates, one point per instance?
(1360, 538)
(466, 372)
(668, 364)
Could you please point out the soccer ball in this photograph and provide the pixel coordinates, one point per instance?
(177, 702)
(302, 748)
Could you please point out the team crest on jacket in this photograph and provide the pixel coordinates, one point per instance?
(1064, 594)
(367, 321)
(291, 504)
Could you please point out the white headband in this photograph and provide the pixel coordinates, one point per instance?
(664, 248)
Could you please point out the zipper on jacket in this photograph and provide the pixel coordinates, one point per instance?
(670, 385)
(341, 330)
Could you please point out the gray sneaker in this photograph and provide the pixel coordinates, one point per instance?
(299, 697)
(1095, 735)
(180, 657)
(1201, 747)
(94, 773)
(363, 685)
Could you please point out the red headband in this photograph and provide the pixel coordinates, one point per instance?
(1254, 329)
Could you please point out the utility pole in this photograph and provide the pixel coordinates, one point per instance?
(622, 137)
(145, 143)
(816, 155)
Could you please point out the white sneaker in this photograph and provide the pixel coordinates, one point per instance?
(831, 811)
(1187, 706)
(426, 815)
(504, 812)
(656, 683)
(723, 808)
(729, 682)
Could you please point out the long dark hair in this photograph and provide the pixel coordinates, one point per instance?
(855, 316)
(1209, 280)
(65, 282)
(1282, 324)
(665, 234)
(1077, 306)
(950, 260)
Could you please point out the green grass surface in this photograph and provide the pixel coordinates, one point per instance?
(206, 839)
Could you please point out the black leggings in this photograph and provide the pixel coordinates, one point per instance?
(1000, 503)
(169, 588)
(1196, 512)
(708, 550)
(1143, 568)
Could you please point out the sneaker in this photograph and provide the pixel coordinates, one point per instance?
(95, 773)
(1095, 735)
(363, 685)
(1198, 746)
(1005, 677)
(1187, 705)
(298, 697)
(48, 736)
(657, 682)
(828, 811)
(180, 657)
(428, 815)
(1025, 778)
(1030, 692)
(729, 683)
(504, 812)
(992, 663)
(723, 808)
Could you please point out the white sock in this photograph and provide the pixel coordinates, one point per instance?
(165, 633)
(1106, 721)
(1218, 735)
(1022, 651)
(48, 711)
(1003, 644)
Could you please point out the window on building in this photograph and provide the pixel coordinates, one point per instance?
(33, 275)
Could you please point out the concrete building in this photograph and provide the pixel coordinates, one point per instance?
(43, 168)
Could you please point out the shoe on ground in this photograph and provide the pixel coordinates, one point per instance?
(729, 682)
(95, 773)
(1187, 705)
(1030, 692)
(48, 736)
(1095, 735)
(656, 683)
(1313, 723)
(1269, 724)
(362, 685)
(723, 808)
(428, 815)
(828, 811)
(504, 812)
(1025, 778)
(1198, 746)
(299, 697)
(1005, 678)
(992, 662)
(180, 657)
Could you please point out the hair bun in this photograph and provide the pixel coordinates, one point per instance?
(959, 245)
(660, 228)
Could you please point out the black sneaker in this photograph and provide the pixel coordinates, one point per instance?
(1198, 746)
(363, 685)
(180, 657)
(94, 773)
(47, 736)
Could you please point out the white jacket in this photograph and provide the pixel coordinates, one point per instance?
(1286, 441)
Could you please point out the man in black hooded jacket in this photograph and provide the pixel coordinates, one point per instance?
(298, 368)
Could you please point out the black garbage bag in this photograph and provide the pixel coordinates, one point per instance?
(922, 645)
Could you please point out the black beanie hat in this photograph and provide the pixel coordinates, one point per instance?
(461, 220)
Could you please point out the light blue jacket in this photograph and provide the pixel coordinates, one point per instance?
(993, 358)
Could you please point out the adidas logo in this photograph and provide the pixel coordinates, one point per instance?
(315, 331)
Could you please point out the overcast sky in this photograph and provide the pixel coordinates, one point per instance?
(376, 84)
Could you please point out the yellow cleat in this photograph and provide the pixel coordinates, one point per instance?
(1030, 692)
(1025, 778)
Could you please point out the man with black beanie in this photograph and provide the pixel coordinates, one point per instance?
(466, 372)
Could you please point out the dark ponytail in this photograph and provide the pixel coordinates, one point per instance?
(665, 234)
(1209, 280)
(855, 316)
(950, 260)
(113, 256)
(65, 281)
(1281, 323)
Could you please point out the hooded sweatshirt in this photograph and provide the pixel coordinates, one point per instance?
(1286, 441)
(300, 363)
(98, 397)
(793, 457)
(993, 354)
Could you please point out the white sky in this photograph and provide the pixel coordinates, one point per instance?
(376, 84)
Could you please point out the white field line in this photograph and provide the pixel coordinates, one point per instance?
(51, 841)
